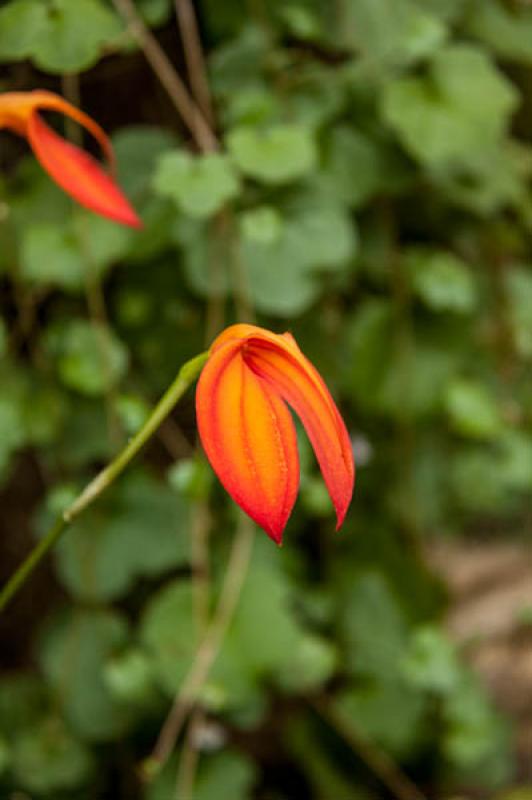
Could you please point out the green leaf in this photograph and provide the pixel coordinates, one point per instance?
(101, 242)
(506, 31)
(276, 155)
(133, 412)
(48, 759)
(312, 663)
(36, 197)
(200, 185)
(22, 25)
(137, 149)
(130, 679)
(472, 410)
(74, 650)
(155, 12)
(518, 284)
(227, 775)
(372, 626)
(476, 740)
(50, 256)
(137, 530)
(88, 357)
(169, 633)
(491, 180)
(283, 260)
(369, 336)
(441, 280)
(389, 713)
(206, 256)
(318, 98)
(74, 36)
(284, 272)
(263, 225)
(430, 662)
(191, 477)
(448, 10)
(353, 167)
(463, 107)
(390, 31)
(478, 481)
(265, 640)
(415, 378)
(238, 62)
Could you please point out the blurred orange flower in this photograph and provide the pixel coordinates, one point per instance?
(75, 171)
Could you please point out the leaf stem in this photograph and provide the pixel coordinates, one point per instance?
(106, 477)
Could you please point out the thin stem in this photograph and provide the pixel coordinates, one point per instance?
(199, 547)
(163, 68)
(379, 762)
(200, 528)
(208, 649)
(104, 479)
(240, 280)
(188, 763)
(71, 90)
(99, 320)
(19, 578)
(194, 56)
(93, 288)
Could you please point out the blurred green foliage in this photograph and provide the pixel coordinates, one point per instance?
(372, 195)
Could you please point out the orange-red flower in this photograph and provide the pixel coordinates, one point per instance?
(75, 171)
(248, 433)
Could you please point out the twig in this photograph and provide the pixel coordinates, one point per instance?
(174, 440)
(188, 762)
(93, 287)
(186, 375)
(163, 68)
(201, 524)
(200, 528)
(240, 284)
(194, 57)
(208, 649)
(379, 762)
(71, 90)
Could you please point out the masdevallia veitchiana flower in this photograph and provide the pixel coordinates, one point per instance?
(74, 170)
(247, 430)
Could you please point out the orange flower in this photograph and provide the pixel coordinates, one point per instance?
(248, 433)
(76, 172)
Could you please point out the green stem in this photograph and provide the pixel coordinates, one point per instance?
(185, 377)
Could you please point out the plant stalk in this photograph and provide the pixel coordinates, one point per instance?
(185, 377)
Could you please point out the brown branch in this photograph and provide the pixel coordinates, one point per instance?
(197, 71)
(379, 762)
(163, 68)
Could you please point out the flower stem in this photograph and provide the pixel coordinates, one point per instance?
(185, 377)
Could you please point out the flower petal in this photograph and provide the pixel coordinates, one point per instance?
(74, 170)
(78, 174)
(249, 438)
(279, 362)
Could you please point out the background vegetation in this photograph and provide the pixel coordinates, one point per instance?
(362, 178)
